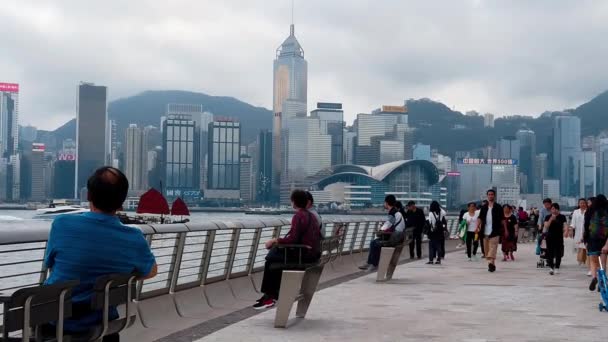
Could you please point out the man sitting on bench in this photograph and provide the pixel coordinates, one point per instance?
(304, 231)
(395, 223)
(89, 245)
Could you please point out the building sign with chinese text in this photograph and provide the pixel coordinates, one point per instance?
(490, 161)
(9, 87)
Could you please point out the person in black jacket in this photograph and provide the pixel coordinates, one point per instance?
(415, 219)
(489, 225)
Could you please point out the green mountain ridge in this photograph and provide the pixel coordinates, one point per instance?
(445, 129)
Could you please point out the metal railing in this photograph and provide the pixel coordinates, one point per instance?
(188, 255)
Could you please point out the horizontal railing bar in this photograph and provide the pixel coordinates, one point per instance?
(19, 287)
(23, 250)
(20, 274)
(21, 262)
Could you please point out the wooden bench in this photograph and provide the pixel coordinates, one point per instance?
(299, 280)
(389, 257)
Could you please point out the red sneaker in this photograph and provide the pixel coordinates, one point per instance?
(265, 304)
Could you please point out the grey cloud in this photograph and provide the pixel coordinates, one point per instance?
(515, 57)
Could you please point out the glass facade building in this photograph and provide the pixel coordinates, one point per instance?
(264, 168)
(181, 164)
(224, 155)
(290, 95)
(588, 174)
(10, 171)
(527, 158)
(331, 116)
(364, 186)
(91, 121)
(308, 149)
(566, 152)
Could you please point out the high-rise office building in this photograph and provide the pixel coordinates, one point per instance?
(91, 121)
(246, 184)
(180, 159)
(527, 158)
(264, 168)
(112, 141)
(308, 150)
(588, 174)
(551, 189)
(38, 164)
(422, 152)
(63, 179)
(202, 119)
(507, 148)
(350, 140)
(9, 119)
(290, 87)
(603, 166)
(10, 173)
(135, 158)
(390, 150)
(224, 161)
(331, 117)
(541, 171)
(488, 120)
(566, 152)
(28, 133)
(387, 123)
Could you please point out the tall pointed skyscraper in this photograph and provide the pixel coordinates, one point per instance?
(290, 83)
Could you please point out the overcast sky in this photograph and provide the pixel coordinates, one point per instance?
(505, 57)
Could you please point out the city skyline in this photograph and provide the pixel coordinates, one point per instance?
(490, 68)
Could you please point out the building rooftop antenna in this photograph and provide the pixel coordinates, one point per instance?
(292, 27)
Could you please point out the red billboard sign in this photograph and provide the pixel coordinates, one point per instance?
(9, 87)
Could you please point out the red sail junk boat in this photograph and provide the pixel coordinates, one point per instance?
(153, 208)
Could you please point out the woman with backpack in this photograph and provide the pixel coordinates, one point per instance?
(437, 226)
(596, 235)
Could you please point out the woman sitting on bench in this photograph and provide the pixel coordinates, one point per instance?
(304, 231)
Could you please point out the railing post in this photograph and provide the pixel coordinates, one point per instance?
(236, 233)
(177, 260)
(140, 283)
(364, 237)
(206, 257)
(257, 235)
(277, 232)
(354, 238)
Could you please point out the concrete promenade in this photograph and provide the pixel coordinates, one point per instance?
(457, 301)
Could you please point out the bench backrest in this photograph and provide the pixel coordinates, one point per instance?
(330, 247)
(36, 306)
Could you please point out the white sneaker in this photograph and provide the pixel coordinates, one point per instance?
(589, 274)
(551, 272)
(470, 259)
(557, 271)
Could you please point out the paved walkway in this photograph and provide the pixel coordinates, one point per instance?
(457, 301)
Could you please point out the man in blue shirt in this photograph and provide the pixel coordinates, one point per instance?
(89, 245)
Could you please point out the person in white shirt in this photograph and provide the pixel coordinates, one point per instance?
(471, 241)
(577, 229)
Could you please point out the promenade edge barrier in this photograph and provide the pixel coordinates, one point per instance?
(190, 255)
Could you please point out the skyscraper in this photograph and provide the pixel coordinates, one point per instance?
(331, 117)
(566, 152)
(112, 141)
(290, 82)
(588, 174)
(264, 168)
(10, 172)
(541, 171)
(603, 166)
(507, 148)
(135, 158)
(224, 161)
(37, 173)
(180, 160)
(308, 148)
(246, 183)
(387, 123)
(91, 121)
(527, 158)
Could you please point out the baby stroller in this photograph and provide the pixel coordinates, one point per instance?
(541, 250)
(602, 283)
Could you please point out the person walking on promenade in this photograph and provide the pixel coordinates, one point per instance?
(556, 227)
(509, 235)
(415, 218)
(436, 232)
(395, 223)
(489, 224)
(596, 235)
(471, 238)
(304, 231)
(577, 230)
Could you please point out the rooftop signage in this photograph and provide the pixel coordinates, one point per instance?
(483, 161)
(9, 87)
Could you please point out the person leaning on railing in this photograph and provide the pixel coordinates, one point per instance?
(93, 244)
(304, 237)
